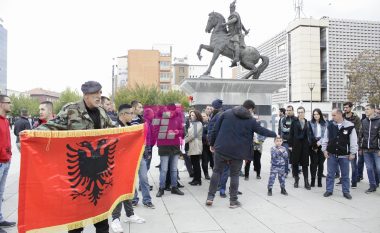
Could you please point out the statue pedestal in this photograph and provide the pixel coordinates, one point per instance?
(233, 92)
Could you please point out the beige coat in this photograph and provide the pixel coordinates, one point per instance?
(194, 138)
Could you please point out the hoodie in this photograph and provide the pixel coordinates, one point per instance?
(233, 133)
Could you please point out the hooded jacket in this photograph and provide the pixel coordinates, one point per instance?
(370, 133)
(233, 133)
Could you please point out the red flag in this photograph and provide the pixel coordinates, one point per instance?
(71, 179)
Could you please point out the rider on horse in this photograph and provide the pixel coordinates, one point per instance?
(235, 27)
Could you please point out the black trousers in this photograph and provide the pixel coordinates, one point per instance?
(195, 161)
(305, 171)
(206, 158)
(317, 159)
(101, 227)
(256, 164)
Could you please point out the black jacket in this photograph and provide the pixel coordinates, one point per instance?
(232, 134)
(370, 133)
(21, 124)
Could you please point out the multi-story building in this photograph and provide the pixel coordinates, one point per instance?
(43, 95)
(182, 70)
(314, 53)
(3, 59)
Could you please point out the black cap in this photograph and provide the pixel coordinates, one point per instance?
(90, 87)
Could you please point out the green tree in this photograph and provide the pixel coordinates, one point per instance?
(364, 77)
(66, 96)
(149, 95)
(24, 102)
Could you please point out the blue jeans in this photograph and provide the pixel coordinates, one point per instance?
(372, 163)
(332, 163)
(360, 165)
(224, 178)
(4, 168)
(143, 183)
(165, 160)
(354, 170)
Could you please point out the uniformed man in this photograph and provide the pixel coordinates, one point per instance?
(82, 115)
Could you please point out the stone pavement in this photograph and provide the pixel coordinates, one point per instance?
(301, 211)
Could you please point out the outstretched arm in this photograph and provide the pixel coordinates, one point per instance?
(245, 30)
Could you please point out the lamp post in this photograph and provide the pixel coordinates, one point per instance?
(311, 87)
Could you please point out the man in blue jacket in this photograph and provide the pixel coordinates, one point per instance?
(231, 141)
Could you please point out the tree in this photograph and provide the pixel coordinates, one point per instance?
(66, 96)
(24, 102)
(364, 77)
(149, 95)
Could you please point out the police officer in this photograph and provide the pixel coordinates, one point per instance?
(82, 115)
(339, 146)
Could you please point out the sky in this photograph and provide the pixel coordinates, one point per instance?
(54, 44)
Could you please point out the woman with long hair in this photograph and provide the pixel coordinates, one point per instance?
(317, 129)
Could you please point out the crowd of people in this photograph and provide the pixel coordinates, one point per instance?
(220, 138)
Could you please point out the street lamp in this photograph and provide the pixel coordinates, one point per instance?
(311, 87)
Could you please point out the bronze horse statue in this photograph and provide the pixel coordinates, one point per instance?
(220, 45)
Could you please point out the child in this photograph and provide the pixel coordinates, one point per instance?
(278, 157)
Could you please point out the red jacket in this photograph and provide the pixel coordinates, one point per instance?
(5, 140)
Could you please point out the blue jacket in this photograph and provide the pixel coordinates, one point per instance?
(232, 134)
(213, 120)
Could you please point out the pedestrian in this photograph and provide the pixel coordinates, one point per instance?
(299, 145)
(5, 154)
(206, 153)
(370, 137)
(21, 124)
(231, 142)
(86, 113)
(317, 129)
(279, 155)
(194, 138)
(125, 115)
(339, 146)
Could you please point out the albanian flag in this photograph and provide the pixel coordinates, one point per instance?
(71, 179)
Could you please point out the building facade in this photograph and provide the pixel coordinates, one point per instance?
(314, 53)
(3, 59)
(43, 95)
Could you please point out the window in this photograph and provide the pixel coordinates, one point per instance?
(181, 69)
(165, 76)
(281, 48)
(164, 65)
(164, 87)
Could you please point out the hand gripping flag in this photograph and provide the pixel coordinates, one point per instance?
(71, 179)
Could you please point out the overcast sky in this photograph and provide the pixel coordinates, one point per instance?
(56, 44)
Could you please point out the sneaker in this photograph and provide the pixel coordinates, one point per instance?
(116, 226)
(209, 202)
(347, 196)
(134, 203)
(234, 204)
(5, 224)
(368, 191)
(135, 219)
(327, 194)
(149, 205)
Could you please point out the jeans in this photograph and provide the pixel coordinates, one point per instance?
(219, 166)
(360, 165)
(372, 163)
(354, 170)
(224, 178)
(332, 163)
(101, 227)
(116, 213)
(143, 183)
(4, 168)
(165, 160)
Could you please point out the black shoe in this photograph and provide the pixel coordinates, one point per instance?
(223, 195)
(158, 166)
(179, 185)
(312, 184)
(359, 179)
(370, 190)
(347, 196)
(207, 177)
(191, 175)
(327, 194)
(354, 185)
(283, 191)
(296, 180)
(340, 182)
(195, 182)
(167, 188)
(176, 190)
(258, 177)
(5, 224)
(149, 205)
(134, 203)
(246, 178)
(234, 204)
(269, 192)
(307, 185)
(239, 193)
(160, 192)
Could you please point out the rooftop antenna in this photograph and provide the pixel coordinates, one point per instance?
(298, 8)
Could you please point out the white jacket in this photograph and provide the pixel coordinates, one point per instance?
(194, 138)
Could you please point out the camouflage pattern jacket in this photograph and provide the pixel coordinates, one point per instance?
(74, 116)
(279, 155)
